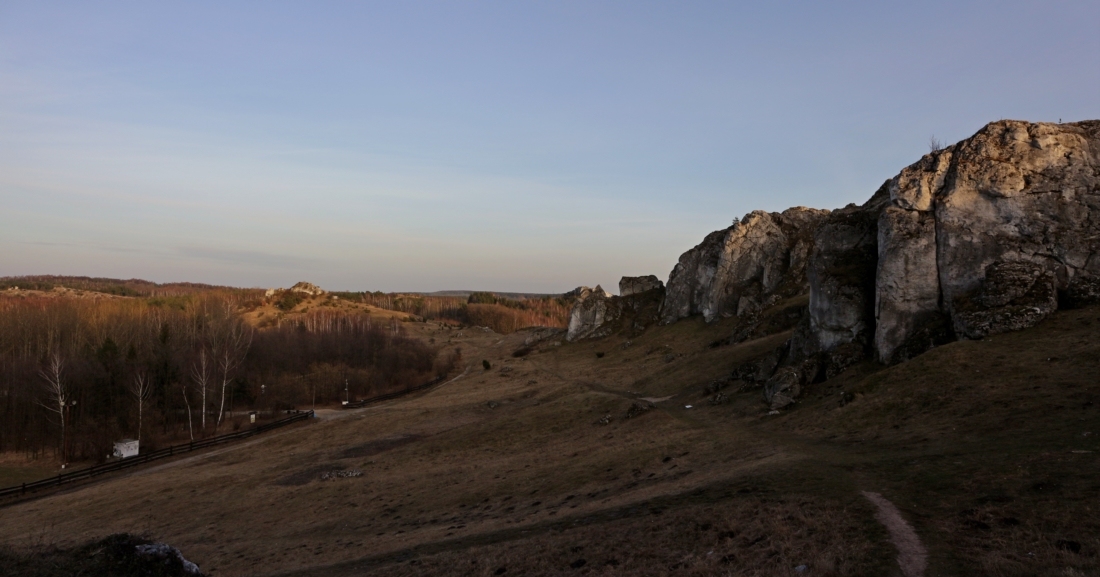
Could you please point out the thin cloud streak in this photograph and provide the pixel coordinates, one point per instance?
(251, 257)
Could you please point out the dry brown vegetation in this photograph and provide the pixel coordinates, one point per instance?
(982, 446)
(80, 370)
(501, 314)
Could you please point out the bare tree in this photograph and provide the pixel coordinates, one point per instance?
(234, 346)
(187, 403)
(141, 389)
(202, 369)
(57, 393)
(934, 144)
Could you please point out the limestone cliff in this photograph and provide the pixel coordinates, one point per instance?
(989, 235)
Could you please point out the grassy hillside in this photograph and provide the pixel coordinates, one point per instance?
(989, 448)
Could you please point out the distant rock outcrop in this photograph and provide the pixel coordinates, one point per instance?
(596, 313)
(744, 268)
(307, 288)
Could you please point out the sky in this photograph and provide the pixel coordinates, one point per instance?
(510, 146)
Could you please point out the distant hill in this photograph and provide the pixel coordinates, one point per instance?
(130, 287)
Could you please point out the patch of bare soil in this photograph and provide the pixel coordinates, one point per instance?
(304, 476)
(377, 446)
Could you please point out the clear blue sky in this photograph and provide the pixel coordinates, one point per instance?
(513, 146)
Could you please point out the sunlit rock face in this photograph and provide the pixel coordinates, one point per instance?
(744, 268)
(983, 236)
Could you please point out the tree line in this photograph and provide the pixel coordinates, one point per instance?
(77, 375)
(118, 287)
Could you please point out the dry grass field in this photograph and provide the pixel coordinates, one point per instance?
(989, 448)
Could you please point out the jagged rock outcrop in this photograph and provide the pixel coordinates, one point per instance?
(597, 314)
(744, 268)
(592, 314)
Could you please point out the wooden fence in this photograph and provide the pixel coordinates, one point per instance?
(141, 459)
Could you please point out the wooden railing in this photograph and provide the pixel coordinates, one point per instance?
(141, 459)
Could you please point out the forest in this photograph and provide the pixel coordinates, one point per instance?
(78, 374)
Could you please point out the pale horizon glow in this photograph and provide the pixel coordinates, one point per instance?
(511, 147)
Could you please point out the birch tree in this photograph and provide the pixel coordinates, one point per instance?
(141, 389)
(202, 369)
(58, 396)
(234, 346)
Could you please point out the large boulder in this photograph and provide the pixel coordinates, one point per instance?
(744, 268)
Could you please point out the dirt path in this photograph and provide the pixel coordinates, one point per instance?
(912, 556)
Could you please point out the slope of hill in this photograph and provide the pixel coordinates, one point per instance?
(552, 463)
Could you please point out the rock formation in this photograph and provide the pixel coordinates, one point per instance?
(596, 313)
(307, 288)
(744, 268)
(989, 235)
(592, 313)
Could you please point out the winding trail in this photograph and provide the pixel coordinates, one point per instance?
(912, 556)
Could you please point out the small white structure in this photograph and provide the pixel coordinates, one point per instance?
(126, 448)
